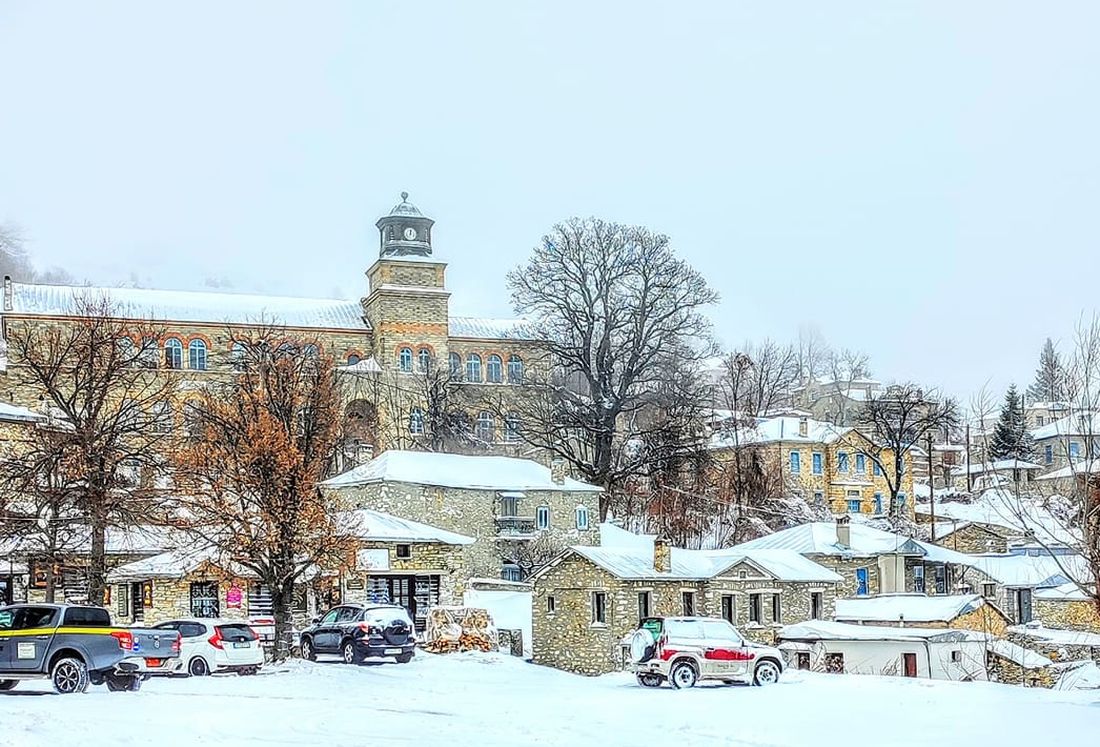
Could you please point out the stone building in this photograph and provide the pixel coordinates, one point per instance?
(386, 342)
(519, 512)
(1068, 441)
(1067, 606)
(400, 562)
(956, 611)
(589, 598)
(997, 521)
(827, 465)
(870, 560)
(1014, 582)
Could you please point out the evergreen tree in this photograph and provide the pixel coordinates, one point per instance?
(1011, 439)
(1049, 384)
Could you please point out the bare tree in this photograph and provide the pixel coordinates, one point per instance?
(846, 367)
(622, 314)
(812, 353)
(765, 384)
(896, 421)
(262, 441)
(15, 261)
(93, 375)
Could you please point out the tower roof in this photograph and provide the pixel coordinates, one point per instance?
(405, 207)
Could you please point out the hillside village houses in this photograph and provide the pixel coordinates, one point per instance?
(827, 465)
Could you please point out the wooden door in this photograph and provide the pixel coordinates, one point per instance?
(910, 662)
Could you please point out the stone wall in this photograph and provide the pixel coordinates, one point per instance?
(1055, 651)
(1010, 673)
(1068, 615)
(474, 513)
(172, 600)
(847, 569)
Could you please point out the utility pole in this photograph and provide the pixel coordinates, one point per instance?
(968, 485)
(931, 489)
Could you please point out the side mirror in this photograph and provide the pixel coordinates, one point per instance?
(315, 620)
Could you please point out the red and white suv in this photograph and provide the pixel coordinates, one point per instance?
(684, 650)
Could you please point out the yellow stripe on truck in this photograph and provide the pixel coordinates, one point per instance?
(63, 630)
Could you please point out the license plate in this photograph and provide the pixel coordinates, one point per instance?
(391, 651)
(153, 662)
(241, 645)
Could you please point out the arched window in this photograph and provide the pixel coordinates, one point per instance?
(515, 369)
(196, 355)
(416, 421)
(582, 517)
(473, 367)
(127, 351)
(511, 427)
(405, 360)
(238, 355)
(486, 426)
(454, 361)
(173, 353)
(310, 350)
(424, 360)
(494, 369)
(353, 359)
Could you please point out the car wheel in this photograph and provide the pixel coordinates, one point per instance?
(8, 684)
(767, 673)
(69, 675)
(307, 650)
(650, 680)
(198, 667)
(347, 651)
(404, 658)
(683, 675)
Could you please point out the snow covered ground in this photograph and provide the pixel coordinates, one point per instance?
(491, 700)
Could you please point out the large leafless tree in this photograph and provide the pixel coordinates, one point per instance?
(95, 377)
(623, 316)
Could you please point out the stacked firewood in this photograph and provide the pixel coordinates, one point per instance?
(452, 629)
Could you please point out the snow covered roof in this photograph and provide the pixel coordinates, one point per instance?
(637, 563)
(173, 564)
(1031, 571)
(820, 538)
(1025, 657)
(492, 329)
(784, 428)
(191, 306)
(455, 471)
(1067, 592)
(1090, 467)
(137, 540)
(381, 527)
(1077, 424)
(910, 608)
(364, 366)
(1001, 465)
(1002, 508)
(1057, 636)
(19, 414)
(823, 630)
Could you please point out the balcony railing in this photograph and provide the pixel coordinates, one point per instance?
(515, 526)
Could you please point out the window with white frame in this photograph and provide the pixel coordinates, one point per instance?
(861, 464)
(515, 369)
(511, 572)
(542, 517)
(494, 369)
(173, 353)
(405, 360)
(796, 462)
(416, 421)
(454, 364)
(473, 367)
(196, 355)
(423, 360)
(486, 426)
(582, 517)
(511, 427)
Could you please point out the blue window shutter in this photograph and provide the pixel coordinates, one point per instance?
(861, 463)
(861, 581)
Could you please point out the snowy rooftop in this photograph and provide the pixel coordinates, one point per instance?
(22, 414)
(1001, 465)
(1091, 467)
(492, 329)
(455, 471)
(1067, 592)
(1002, 508)
(637, 563)
(780, 429)
(907, 608)
(191, 306)
(1077, 424)
(823, 630)
(1026, 658)
(172, 564)
(1057, 636)
(381, 527)
(1042, 571)
(138, 540)
(364, 366)
(820, 538)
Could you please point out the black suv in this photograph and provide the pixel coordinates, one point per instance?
(356, 631)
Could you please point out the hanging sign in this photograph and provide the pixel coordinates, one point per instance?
(233, 597)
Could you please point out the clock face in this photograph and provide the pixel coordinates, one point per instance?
(410, 234)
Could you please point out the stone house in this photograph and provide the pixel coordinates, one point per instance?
(825, 464)
(1068, 441)
(588, 599)
(836, 400)
(1057, 644)
(400, 562)
(1012, 582)
(997, 521)
(401, 328)
(957, 611)
(1068, 607)
(1013, 664)
(1000, 473)
(519, 513)
(870, 560)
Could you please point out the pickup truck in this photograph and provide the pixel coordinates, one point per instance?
(75, 645)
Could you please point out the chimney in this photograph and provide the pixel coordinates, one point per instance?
(844, 531)
(662, 554)
(803, 426)
(7, 293)
(557, 471)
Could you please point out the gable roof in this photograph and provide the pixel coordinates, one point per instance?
(1031, 571)
(782, 429)
(908, 608)
(174, 564)
(820, 538)
(637, 563)
(207, 307)
(1000, 465)
(1002, 508)
(1017, 654)
(455, 471)
(375, 526)
(823, 630)
(1077, 424)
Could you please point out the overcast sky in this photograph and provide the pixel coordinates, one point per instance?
(919, 180)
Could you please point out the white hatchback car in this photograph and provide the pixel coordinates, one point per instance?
(208, 646)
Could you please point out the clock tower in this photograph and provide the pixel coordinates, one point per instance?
(405, 232)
